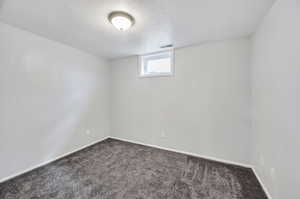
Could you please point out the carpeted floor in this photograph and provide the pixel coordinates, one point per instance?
(114, 169)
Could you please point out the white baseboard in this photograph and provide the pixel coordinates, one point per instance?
(185, 152)
(261, 183)
(204, 157)
(150, 145)
(51, 160)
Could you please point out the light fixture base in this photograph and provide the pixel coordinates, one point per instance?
(121, 20)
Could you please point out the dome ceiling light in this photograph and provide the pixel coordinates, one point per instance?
(121, 20)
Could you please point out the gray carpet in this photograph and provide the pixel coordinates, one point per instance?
(114, 169)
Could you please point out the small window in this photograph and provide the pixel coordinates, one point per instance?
(157, 64)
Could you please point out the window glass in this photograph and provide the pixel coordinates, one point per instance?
(158, 64)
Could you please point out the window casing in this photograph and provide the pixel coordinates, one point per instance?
(157, 64)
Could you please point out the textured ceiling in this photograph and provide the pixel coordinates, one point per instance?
(83, 24)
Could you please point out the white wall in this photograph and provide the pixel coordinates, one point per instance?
(204, 109)
(51, 97)
(55, 99)
(276, 99)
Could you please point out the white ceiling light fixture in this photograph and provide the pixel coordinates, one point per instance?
(121, 20)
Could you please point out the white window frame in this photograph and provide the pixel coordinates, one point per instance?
(144, 58)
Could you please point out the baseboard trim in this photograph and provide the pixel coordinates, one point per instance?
(202, 156)
(261, 183)
(141, 143)
(51, 160)
(185, 152)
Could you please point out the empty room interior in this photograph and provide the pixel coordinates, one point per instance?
(149, 99)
